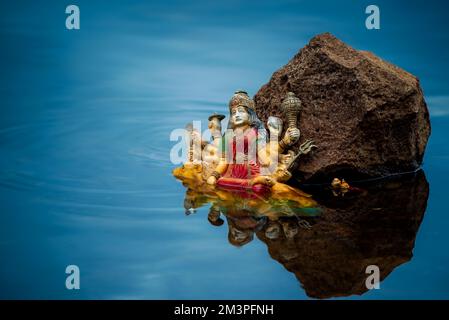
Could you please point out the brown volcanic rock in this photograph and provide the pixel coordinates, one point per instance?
(368, 117)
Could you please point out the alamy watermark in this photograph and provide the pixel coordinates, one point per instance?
(72, 22)
(373, 280)
(72, 282)
(373, 20)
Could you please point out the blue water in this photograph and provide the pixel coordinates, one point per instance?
(85, 119)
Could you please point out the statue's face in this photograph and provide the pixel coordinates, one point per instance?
(239, 116)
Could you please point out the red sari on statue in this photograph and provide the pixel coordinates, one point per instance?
(243, 166)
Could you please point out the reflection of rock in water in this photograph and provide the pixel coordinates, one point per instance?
(375, 228)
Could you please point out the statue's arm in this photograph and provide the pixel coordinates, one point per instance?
(220, 169)
(222, 165)
(291, 136)
(267, 152)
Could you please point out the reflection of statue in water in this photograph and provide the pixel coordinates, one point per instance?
(245, 215)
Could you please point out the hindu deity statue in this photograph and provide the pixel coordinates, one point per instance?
(246, 151)
(249, 160)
